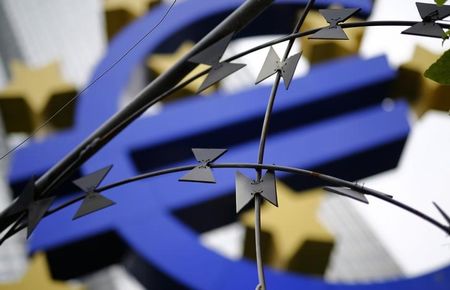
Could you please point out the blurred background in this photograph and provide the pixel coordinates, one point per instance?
(358, 109)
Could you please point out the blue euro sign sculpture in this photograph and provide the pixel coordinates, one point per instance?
(153, 228)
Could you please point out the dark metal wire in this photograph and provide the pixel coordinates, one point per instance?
(273, 167)
(122, 182)
(261, 149)
(312, 31)
(262, 145)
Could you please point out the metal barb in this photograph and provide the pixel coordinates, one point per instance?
(11, 232)
(211, 56)
(247, 189)
(91, 182)
(219, 72)
(273, 64)
(429, 13)
(36, 212)
(25, 198)
(270, 66)
(288, 69)
(443, 213)
(34, 208)
(93, 201)
(334, 17)
(213, 53)
(202, 172)
(433, 12)
(207, 155)
(347, 192)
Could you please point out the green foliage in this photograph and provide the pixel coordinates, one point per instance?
(445, 37)
(440, 70)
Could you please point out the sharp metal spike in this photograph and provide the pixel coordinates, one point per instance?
(25, 199)
(433, 12)
(429, 13)
(36, 212)
(288, 69)
(334, 17)
(269, 188)
(348, 193)
(429, 29)
(218, 73)
(244, 191)
(443, 213)
(427, 9)
(12, 231)
(269, 67)
(273, 63)
(206, 155)
(203, 172)
(90, 182)
(247, 188)
(200, 173)
(36, 208)
(332, 33)
(212, 54)
(6, 236)
(92, 203)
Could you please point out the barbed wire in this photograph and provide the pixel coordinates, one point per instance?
(19, 224)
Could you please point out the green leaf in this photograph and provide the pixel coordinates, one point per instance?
(445, 37)
(440, 70)
(440, 2)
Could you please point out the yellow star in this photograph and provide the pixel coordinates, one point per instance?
(294, 239)
(321, 50)
(38, 277)
(33, 95)
(159, 63)
(424, 93)
(119, 13)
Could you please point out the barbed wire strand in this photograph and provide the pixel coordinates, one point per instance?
(273, 167)
(262, 144)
